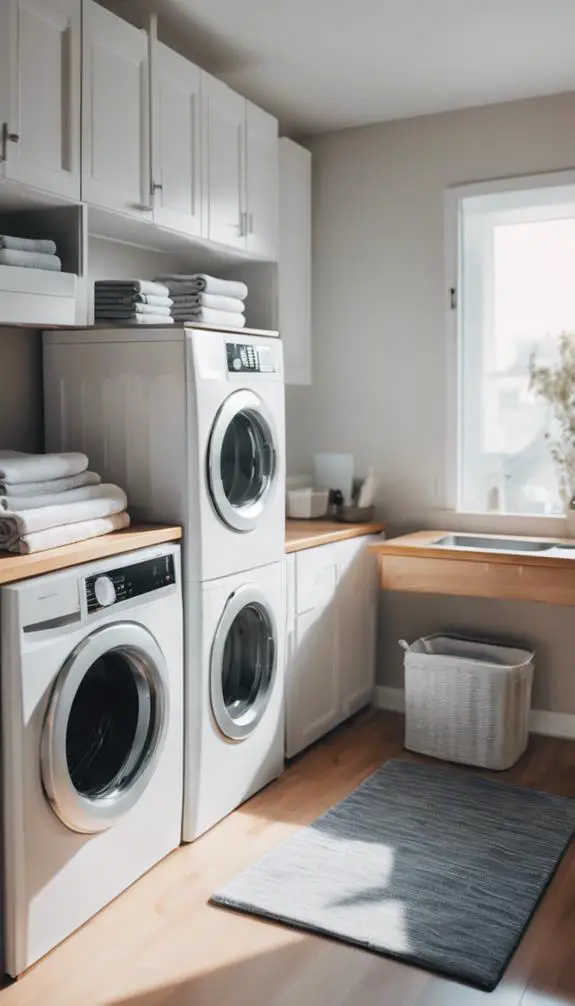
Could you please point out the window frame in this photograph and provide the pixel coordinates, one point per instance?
(453, 516)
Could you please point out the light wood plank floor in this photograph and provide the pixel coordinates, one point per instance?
(161, 944)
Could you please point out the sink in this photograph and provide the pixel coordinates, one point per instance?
(484, 544)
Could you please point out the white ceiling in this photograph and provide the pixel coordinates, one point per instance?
(327, 64)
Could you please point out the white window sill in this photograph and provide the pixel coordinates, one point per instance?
(498, 523)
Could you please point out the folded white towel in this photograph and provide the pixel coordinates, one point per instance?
(17, 503)
(130, 300)
(41, 245)
(135, 319)
(14, 524)
(129, 310)
(16, 467)
(203, 316)
(126, 287)
(210, 300)
(202, 283)
(30, 260)
(56, 486)
(66, 534)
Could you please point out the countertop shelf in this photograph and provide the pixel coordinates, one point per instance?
(21, 567)
(412, 564)
(301, 534)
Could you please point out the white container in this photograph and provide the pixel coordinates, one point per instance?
(307, 504)
(37, 297)
(467, 702)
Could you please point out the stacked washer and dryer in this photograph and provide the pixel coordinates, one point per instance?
(192, 423)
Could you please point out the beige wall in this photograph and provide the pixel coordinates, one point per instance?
(380, 348)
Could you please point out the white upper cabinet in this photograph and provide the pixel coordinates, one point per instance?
(294, 264)
(40, 45)
(262, 170)
(176, 150)
(224, 134)
(115, 114)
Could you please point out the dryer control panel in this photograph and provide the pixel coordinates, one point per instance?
(127, 582)
(244, 356)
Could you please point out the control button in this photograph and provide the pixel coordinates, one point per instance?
(105, 591)
(237, 363)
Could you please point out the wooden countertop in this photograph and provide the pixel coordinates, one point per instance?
(412, 564)
(419, 544)
(20, 567)
(302, 534)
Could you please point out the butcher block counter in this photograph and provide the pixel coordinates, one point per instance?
(20, 567)
(412, 563)
(302, 534)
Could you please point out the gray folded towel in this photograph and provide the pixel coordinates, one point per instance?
(210, 300)
(30, 260)
(202, 283)
(67, 534)
(15, 524)
(16, 467)
(41, 245)
(57, 486)
(128, 286)
(136, 298)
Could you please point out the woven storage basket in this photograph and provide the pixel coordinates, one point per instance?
(467, 702)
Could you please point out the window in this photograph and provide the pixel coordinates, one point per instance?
(516, 295)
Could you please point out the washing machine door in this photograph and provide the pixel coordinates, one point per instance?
(243, 663)
(242, 460)
(105, 727)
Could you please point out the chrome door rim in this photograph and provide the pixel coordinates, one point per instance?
(141, 651)
(243, 726)
(243, 518)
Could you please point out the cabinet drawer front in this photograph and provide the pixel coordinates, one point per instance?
(316, 577)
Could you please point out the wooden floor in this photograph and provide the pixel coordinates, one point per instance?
(161, 944)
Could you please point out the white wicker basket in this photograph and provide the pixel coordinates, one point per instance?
(467, 702)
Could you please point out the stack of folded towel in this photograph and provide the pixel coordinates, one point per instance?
(47, 500)
(132, 301)
(29, 253)
(207, 300)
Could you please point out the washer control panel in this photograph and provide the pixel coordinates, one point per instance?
(126, 582)
(254, 359)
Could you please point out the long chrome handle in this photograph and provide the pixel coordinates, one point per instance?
(251, 223)
(243, 224)
(6, 138)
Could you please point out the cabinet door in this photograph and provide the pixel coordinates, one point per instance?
(115, 114)
(224, 133)
(176, 124)
(357, 598)
(40, 44)
(294, 269)
(262, 176)
(312, 674)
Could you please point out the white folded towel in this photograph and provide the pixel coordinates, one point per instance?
(202, 283)
(14, 524)
(30, 260)
(203, 316)
(136, 319)
(130, 300)
(16, 467)
(129, 310)
(125, 287)
(17, 503)
(41, 245)
(67, 534)
(210, 300)
(56, 486)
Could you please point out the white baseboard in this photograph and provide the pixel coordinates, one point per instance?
(541, 721)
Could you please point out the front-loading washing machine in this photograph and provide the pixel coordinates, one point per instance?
(92, 732)
(190, 421)
(234, 718)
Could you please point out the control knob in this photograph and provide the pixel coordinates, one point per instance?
(105, 591)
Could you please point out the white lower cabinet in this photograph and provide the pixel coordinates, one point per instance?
(332, 605)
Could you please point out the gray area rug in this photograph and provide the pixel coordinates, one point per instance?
(435, 867)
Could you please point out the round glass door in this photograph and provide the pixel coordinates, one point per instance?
(243, 665)
(242, 460)
(104, 727)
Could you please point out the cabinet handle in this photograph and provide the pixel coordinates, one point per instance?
(243, 224)
(156, 187)
(7, 137)
(251, 223)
